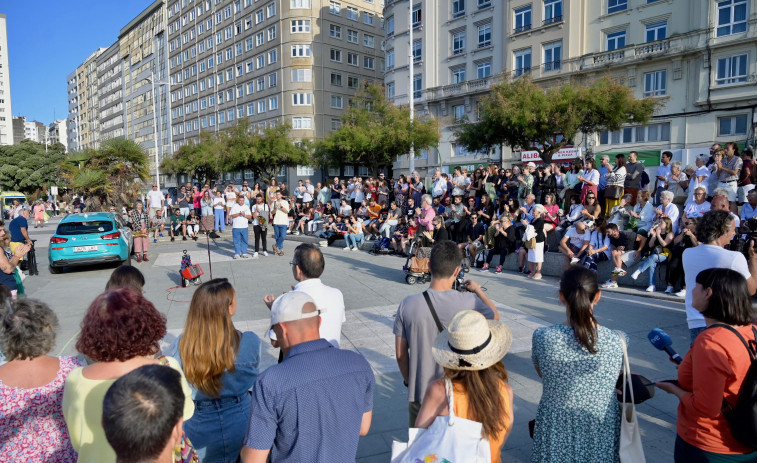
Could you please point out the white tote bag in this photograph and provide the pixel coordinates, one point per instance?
(449, 438)
(631, 449)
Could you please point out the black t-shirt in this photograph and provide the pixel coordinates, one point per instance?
(475, 232)
(625, 239)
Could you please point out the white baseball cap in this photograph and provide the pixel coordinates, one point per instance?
(288, 307)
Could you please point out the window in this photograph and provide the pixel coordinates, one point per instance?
(483, 69)
(305, 171)
(735, 125)
(335, 7)
(353, 59)
(368, 41)
(259, 39)
(299, 51)
(302, 123)
(484, 35)
(731, 70)
(732, 17)
(259, 16)
(302, 75)
(458, 75)
(261, 106)
(273, 56)
(336, 79)
(368, 18)
(390, 89)
(484, 4)
(296, 4)
(417, 50)
(522, 62)
(458, 43)
(616, 40)
(335, 31)
(353, 82)
(417, 86)
(272, 79)
(335, 124)
(352, 36)
(337, 102)
(302, 99)
(271, 33)
(552, 56)
(336, 55)
(273, 103)
(352, 13)
(390, 26)
(369, 62)
(614, 6)
(522, 19)
(459, 111)
(654, 83)
(390, 60)
(417, 15)
(639, 134)
(552, 11)
(656, 31)
(260, 61)
(458, 8)
(300, 26)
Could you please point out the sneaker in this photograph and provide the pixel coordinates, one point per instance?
(347, 248)
(619, 272)
(296, 233)
(499, 269)
(154, 240)
(173, 239)
(609, 284)
(245, 256)
(635, 274)
(255, 254)
(236, 256)
(574, 260)
(160, 234)
(681, 293)
(356, 248)
(265, 253)
(651, 289)
(485, 267)
(669, 290)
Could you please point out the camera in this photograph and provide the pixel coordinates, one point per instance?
(746, 237)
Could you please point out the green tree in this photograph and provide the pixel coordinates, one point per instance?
(374, 133)
(200, 160)
(273, 150)
(110, 175)
(27, 168)
(523, 115)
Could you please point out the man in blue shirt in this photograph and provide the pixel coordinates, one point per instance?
(604, 161)
(316, 403)
(19, 230)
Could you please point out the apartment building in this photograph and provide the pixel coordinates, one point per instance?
(110, 93)
(6, 112)
(698, 58)
(58, 133)
(83, 105)
(298, 61)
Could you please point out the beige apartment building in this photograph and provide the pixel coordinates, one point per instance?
(6, 111)
(83, 114)
(697, 57)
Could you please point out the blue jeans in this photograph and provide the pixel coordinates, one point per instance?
(687, 453)
(218, 427)
(241, 240)
(694, 332)
(280, 232)
(650, 264)
(356, 239)
(220, 222)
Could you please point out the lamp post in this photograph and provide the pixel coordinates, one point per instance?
(156, 116)
(411, 92)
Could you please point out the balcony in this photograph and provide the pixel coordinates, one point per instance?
(523, 28)
(470, 86)
(609, 57)
(552, 20)
(652, 48)
(552, 66)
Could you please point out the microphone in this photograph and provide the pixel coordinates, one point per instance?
(661, 340)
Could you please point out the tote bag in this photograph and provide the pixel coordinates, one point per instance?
(449, 438)
(631, 449)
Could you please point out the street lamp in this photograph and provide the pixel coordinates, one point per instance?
(411, 87)
(156, 116)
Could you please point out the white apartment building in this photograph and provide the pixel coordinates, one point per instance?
(6, 112)
(58, 133)
(699, 58)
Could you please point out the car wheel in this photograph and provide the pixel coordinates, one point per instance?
(55, 270)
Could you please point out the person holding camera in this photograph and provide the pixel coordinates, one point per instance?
(715, 230)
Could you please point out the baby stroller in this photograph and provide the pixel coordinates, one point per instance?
(416, 266)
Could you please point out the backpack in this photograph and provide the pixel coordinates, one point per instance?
(381, 246)
(644, 179)
(742, 417)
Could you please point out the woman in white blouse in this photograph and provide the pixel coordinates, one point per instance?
(590, 178)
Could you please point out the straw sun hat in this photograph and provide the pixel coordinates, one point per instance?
(471, 342)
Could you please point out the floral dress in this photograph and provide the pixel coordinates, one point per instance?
(578, 419)
(31, 421)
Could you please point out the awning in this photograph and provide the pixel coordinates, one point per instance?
(564, 154)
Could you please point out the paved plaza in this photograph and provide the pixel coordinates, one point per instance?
(373, 286)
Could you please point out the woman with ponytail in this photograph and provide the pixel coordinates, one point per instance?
(221, 366)
(578, 419)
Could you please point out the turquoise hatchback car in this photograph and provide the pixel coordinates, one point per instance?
(90, 238)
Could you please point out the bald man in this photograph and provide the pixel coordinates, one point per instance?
(318, 390)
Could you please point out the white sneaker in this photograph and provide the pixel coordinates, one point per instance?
(356, 248)
(265, 253)
(347, 248)
(669, 290)
(255, 254)
(236, 256)
(681, 293)
(651, 289)
(574, 260)
(245, 256)
(635, 274)
(296, 233)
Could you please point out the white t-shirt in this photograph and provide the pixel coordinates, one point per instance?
(231, 197)
(331, 304)
(241, 221)
(218, 203)
(261, 209)
(663, 171)
(597, 242)
(693, 209)
(280, 217)
(154, 199)
(577, 239)
(307, 195)
(703, 257)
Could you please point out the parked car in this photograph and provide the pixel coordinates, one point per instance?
(90, 238)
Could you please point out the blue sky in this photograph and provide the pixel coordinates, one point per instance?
(48, 39)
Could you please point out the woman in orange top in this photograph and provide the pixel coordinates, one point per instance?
(471, 350)
(714, 370)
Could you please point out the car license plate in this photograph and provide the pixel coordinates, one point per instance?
(85, 248)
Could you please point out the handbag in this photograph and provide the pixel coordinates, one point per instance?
(631, 449)
(449, 438)
(613, 191)
(529, 238)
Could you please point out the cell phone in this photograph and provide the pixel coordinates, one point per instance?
(671, 381)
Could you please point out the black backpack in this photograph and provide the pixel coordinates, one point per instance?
(742, 417)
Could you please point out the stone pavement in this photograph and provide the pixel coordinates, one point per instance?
(373, 286)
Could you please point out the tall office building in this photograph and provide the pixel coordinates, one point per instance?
(6, 112)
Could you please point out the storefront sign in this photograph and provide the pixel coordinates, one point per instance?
(564, 154)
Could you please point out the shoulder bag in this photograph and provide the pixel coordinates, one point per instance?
(631, 449)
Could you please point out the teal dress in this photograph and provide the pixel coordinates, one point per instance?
(578, 419)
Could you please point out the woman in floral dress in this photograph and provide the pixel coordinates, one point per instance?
(31, 387)
(578, 419)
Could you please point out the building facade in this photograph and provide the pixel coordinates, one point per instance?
(83, 123)
(58, 133)
(110, 93)
(6, 111)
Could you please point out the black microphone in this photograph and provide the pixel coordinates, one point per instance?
(661, 340)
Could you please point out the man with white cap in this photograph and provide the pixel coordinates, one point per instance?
(314, 405)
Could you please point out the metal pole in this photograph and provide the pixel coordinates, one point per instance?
(155, 130)
(411, 87)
